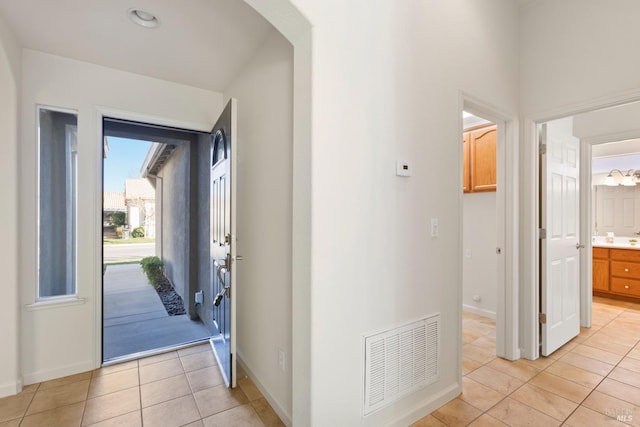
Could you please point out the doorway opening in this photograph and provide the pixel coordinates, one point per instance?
(505, 243)
(615, 218)
(480, 283)
(150, 286)
(601, 263)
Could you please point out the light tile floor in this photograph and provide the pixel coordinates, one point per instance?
(178, 388)
(594, 380)
(590, 381)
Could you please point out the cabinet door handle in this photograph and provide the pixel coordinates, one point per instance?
(626, 286)
(626, 270)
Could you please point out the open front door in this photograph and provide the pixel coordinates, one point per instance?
(560, 248)
(223, 241)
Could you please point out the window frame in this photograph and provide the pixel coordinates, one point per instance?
(71, 186)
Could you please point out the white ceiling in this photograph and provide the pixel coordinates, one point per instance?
(201, 43)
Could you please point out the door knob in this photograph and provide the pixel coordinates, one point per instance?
(579, 246)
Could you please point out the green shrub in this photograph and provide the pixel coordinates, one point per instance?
(119, 218)
(138, 232)
(152, 267)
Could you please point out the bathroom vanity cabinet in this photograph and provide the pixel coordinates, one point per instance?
(616, 272)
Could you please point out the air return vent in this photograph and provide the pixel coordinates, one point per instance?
(400, 361)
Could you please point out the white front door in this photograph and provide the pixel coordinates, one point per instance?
(560, 249)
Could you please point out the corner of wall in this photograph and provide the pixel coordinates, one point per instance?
(10, 69)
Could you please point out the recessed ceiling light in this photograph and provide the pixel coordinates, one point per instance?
(143, 18)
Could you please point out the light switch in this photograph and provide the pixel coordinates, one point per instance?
(403, 168)
(434, 227)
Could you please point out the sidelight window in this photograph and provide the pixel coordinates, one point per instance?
(57, 195)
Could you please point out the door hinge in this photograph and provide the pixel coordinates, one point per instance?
(542, 233)
(543, 148)
(542, 317)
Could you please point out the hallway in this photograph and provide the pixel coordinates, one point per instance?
(591, 381)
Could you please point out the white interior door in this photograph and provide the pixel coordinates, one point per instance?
(223, 242)
(560, 218)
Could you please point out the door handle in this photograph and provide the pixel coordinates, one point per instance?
(221, 267)
(579, 246)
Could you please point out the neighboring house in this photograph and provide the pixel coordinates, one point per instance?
(140, 199)
(112, 201)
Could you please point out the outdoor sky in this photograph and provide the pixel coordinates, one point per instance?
(123, 161)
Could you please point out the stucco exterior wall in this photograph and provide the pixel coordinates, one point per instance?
(175, 218)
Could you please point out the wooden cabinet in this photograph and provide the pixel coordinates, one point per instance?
(479, 159)
(625, 272)
(616, 273)
(600, 269)
(466, 178)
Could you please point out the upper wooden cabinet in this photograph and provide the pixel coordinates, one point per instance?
(479, 159)
(466, 181)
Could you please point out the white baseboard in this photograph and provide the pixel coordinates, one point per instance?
(10, 388)
(277, 407)
(479, 311)
(436, 401)
(51, 374)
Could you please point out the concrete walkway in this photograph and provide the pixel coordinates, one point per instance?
(135, 319)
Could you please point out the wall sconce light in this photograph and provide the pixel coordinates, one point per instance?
(629, 178)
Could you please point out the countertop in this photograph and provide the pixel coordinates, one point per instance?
(619, 242)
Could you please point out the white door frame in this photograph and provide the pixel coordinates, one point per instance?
(100, 114)
(530, 208)
(507, 345)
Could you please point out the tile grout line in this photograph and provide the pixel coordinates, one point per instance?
(86, 400)
(140, 391)
(30, 403)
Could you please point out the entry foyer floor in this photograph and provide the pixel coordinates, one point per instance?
(594, 380)
(178, 388)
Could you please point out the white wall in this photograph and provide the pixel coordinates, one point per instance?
(574, 54)
(62, 339)
(386, 82)
(264, 90)
(574, 51)
(617, 210)
(10, 65)
(479, 265)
